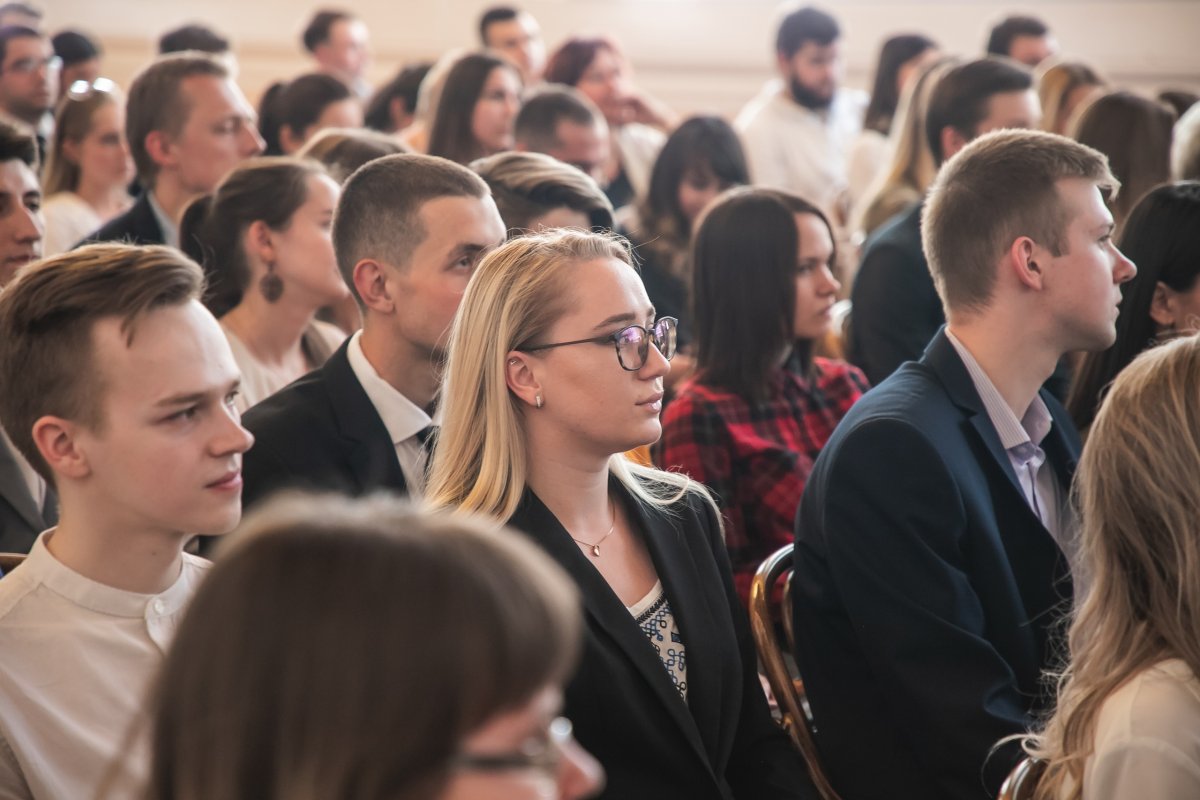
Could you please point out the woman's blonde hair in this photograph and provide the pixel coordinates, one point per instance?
(912, 167)
(72, 123)
(1055, 83)
(481, 461)
(1140, 517)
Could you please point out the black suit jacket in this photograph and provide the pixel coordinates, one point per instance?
(895, 309)
(138, 225)
(721, 743)
(320, 432)
(927, 592)
(20, 518)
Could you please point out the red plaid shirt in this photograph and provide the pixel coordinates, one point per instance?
(756, 457)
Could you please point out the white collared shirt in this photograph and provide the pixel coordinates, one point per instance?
(403, 418)
(1021, 440)
(170, 230)
(78, 658)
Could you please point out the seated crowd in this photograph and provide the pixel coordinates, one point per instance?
(509, 357)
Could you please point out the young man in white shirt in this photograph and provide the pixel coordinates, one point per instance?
(119, 389)
(798, 131)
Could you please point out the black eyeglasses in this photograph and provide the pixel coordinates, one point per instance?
(540, 754)
(632, 343)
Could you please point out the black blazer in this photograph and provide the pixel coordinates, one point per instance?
(20, 519)
(721, 743)
(927, 592)
(138, 225)
(320, 432)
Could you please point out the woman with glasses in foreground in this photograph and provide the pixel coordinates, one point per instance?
(754, 419)
(1128, 714)
(555, 367)
(346, 649)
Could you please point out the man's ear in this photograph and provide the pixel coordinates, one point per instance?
(1022, 259)
(158, 147)
(1163, 306)
(518, 374)
(952, 142)
(371, 283)
(56, 440)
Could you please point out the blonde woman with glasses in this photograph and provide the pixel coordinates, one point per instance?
(89, 167)
(555, 367)
(1127, 722)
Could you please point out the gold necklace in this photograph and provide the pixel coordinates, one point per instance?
(596, 547)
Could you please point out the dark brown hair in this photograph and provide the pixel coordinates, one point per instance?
(744, 287)
(451, 135)
(963, 96)
(46, 318)
(266, 188)
(378, 213)
(568, 63)
(343, 150)
(1135, 133)
(347, 648)
(296, 105)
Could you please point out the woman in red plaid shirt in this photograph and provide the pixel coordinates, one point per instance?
(751, 422)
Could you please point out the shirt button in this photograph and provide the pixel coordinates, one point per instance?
(158, 606)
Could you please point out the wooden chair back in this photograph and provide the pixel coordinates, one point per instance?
(9, 561)
(1022, 781)
(787, 687)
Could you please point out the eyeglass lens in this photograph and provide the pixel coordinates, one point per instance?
(633, 343)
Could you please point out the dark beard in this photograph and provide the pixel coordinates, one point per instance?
(808, 98)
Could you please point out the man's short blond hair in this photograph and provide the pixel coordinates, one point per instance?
(157, 102)
(1000, 187)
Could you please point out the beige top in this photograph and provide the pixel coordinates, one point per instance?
(78, 657)
(1148, 738)
(69, 219)
(259, 380)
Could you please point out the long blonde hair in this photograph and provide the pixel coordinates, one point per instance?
(912, 167)
(481, 461)
(1136, 492)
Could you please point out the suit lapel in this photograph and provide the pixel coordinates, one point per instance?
(14, 489)
(611, 618)
(371, 454)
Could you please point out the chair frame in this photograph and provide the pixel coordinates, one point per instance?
(10, 561)
(788, 689)
(1023, 780)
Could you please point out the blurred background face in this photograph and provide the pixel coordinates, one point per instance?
(86, 71)
(813, 73)
(520, 41)
(29, 78)
(696, 190)
(585, 147)
(218, 135)
(103, 154)
(347, 51)
(559, 769)
(1032, 50)
(496, 111)
(605, 82)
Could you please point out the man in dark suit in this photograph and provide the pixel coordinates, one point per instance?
(895, 311)
(408, 232)
(934, 537)
(188, 124)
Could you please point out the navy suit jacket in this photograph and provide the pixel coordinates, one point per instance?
(321, 432)
(927, 594)
(20, 518)
(137, 225)
(721, 743)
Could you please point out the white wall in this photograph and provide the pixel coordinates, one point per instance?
(697, 55)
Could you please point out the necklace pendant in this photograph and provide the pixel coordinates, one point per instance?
(595, 551)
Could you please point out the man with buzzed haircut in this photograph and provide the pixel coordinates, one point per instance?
(118, 387)
(188, 124)
(516, 35)
(408, 233)
(935, 538)
(561, 122)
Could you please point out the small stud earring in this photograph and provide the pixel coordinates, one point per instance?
(537, 400)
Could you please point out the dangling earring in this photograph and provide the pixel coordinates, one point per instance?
(537, 400)
(271, 285)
